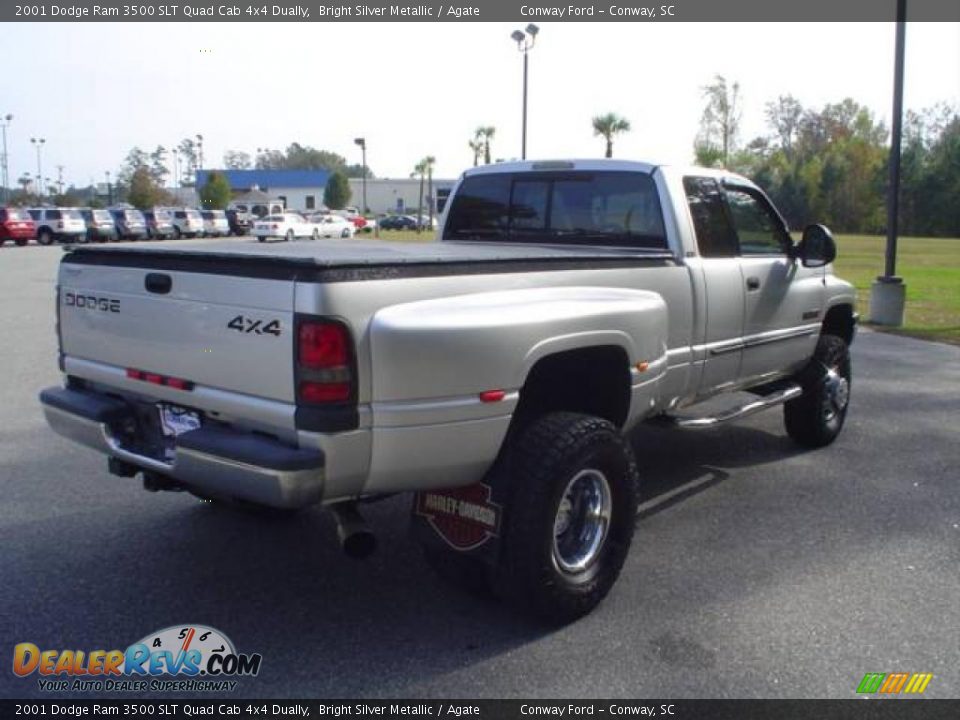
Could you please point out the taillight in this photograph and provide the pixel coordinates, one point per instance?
(324, 363)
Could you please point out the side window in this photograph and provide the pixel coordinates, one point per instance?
(311, 202)
(760, 231)
(481, 207)
(715, 235)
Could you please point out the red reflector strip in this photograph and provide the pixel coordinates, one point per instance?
(314, 392)
(175, 383)
(489, 396)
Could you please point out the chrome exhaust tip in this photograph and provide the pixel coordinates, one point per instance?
(356, 539)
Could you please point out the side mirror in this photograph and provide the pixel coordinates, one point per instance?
(817, 246)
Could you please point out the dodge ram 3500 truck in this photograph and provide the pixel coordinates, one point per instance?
(494, 372)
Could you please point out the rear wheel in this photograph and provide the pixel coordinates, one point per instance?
(290, 236)
(176, 232)
(21, 242)
(345, 233)
(569, 521)
(316, 234)
(816, 417)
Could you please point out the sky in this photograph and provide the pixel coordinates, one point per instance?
(93, 91)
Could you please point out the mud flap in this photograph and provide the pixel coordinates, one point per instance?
(466, 520)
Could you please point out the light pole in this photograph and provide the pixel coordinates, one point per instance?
(38, 144)
(60, 179)
(6, 167)
(109, 189)
(176, 168)
(525, 42)
(362, 142)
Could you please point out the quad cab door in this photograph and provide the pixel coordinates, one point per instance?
(782, 298)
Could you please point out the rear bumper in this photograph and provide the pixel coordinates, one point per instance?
(218, 461)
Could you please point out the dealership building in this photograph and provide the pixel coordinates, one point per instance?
(303, 189)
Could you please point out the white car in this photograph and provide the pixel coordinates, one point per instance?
(286, 226)
(215, 223)
(187, 222)
(332, 226)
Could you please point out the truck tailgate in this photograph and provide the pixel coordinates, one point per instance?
(215, 330)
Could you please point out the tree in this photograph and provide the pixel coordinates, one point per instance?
(608, 126)
(304, 157)
(420, 169)
(189, 161)
(784, 116)
(216, 193)
(484, 134)
(158, 165)
(237, 160)
(720, 123)
(428, 163)
(143, 191)
(337, 192)
(476, 147)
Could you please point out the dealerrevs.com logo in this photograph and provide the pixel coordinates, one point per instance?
(201, 659)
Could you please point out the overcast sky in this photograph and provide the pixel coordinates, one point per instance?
(415, 89)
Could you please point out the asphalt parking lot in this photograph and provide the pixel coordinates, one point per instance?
(758, 570)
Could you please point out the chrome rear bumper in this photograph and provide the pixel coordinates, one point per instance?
(217, 461)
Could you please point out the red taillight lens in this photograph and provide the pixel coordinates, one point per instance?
(315, 392)
(324, 363)
(322, 345)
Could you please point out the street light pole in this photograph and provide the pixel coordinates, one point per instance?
(6, 165)
(362, 142)
(109, 189)
(60, 179)
(199, 151)
(38, 144)
(888, 292)
(525, 41)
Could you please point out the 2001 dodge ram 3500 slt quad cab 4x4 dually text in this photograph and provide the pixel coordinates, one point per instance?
(494, 372)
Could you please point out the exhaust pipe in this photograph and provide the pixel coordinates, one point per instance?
(356, 539)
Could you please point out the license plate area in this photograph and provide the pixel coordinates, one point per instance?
(176, 420)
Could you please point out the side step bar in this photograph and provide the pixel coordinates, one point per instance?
(777, 397)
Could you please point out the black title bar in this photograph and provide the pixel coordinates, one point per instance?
(481, 10)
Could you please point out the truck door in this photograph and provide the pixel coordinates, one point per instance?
(782, 298)
(721, 347)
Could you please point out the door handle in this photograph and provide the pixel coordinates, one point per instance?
(753, 283)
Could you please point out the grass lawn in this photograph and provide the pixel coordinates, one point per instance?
(930, 267)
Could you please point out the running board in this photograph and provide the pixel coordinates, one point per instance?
(777, 397)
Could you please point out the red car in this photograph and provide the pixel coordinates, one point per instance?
(16, 225)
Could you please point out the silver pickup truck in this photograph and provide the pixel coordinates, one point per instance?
(494, 372)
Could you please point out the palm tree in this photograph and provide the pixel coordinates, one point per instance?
(476, 146)
(420, 169)
(484, 134)
(609, 125)
(428, 164)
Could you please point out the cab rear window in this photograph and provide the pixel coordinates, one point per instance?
(597, 208)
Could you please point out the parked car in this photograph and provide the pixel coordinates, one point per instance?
(215, 223)
(17, 225)
(60, 224)
(239, 222)
(354, 216)
(398, 222)
(187, 222)
(159, 223)
(131, 225)
(332, 226)
(100, 225)
(287, 226)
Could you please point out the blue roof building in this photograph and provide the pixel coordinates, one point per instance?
(269, 180)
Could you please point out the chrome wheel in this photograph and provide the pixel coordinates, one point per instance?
(582, 520)
(836, 395)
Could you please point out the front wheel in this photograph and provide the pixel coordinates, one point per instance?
(570, 516)
(44, 237)
(816, 417)
(315, 235)
(290, 236)
(177, 232)
(21, 242)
